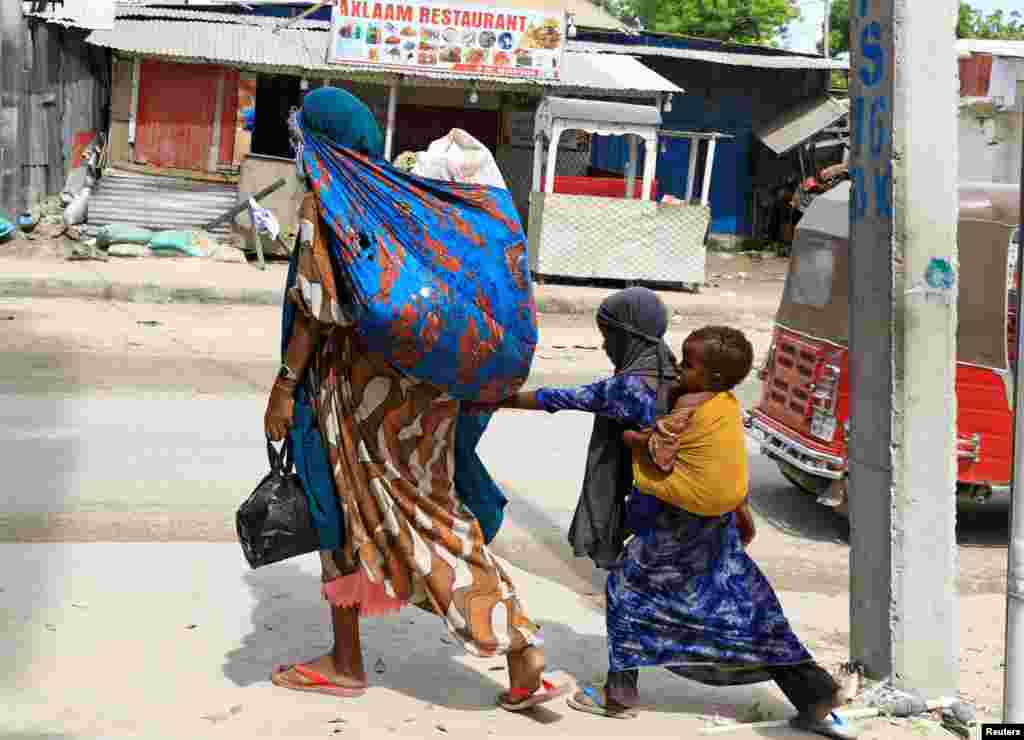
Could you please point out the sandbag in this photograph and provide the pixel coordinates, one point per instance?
(128, 249)
(179, 244)
(122, 234)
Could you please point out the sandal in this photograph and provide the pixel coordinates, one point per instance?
(592, 701)
(315, 682)
(518, 700)
(832, 726)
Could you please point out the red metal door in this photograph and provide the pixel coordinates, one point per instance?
(177, 106)
(229, 116)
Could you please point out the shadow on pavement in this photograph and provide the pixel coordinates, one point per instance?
(790, 510)
(796, 513)
(290, 623)
(983, 526)
(418, 658)
(543, 547)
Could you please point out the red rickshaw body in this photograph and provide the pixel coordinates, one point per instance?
(802, 418)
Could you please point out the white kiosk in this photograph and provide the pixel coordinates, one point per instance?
(636, 240)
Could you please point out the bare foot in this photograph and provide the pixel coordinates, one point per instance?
(525, 669)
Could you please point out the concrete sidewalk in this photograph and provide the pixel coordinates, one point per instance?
(178, 640)
(171, 280)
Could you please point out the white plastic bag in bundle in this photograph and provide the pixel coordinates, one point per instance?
(458, 157)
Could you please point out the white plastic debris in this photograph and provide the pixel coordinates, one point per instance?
(263, 220)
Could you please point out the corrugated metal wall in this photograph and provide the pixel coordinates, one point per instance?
(177, 104)
(157, 202)
(64, 108)
(12, 119)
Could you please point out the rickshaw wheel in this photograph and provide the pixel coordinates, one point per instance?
(809, 484)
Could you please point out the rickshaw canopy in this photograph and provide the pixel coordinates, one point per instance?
(816, 300)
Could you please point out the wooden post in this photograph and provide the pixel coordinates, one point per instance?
(691, 171)
(650, 165)
(133, 122)
(538, 160)
(709, 163)
(389, 138)
(556, 135)
(631, 166)
(218, 115)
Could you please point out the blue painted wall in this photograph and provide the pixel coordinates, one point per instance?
(728, 99)
(731, 178)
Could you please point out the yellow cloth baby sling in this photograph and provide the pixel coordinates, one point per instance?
(709, 476)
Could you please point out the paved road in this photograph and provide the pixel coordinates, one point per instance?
(119, 468)
(111, 430)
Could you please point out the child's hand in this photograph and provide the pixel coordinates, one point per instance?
(745, 524)
(636, 441)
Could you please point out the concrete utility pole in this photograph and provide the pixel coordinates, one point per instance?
(904, 617)
(1013, 675)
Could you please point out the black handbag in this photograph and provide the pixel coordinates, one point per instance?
(274, 523)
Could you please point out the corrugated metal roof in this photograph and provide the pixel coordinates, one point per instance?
(156, 202)
(966, 47)
(588, 14)
(248, 42)
(799, 124)
(89, 14)
(190, 14)
(774, 61)
(612, 72)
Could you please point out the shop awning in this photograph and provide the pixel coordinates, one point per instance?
(600, 111)
(251, 42)
(798, 124)
(613, 72)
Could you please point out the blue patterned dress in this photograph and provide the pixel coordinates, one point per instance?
(684, 595)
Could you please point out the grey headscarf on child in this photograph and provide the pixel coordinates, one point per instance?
(636, 321)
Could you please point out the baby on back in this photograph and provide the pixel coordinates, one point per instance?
(695, 457)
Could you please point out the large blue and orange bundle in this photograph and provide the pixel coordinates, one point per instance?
(437, 273)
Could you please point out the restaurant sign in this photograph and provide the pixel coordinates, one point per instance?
(448, 38)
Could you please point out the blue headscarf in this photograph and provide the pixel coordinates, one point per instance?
(341, 120)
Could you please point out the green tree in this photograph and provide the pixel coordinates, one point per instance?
(742, 21)
(975, 24)
(972, 24)
(839, 28)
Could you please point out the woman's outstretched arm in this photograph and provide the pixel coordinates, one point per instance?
(524, 401)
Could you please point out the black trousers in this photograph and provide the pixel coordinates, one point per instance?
(805, 685)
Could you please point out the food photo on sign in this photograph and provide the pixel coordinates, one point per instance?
(483, 39)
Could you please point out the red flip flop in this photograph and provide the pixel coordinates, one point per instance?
(317, 682)
(519, 700)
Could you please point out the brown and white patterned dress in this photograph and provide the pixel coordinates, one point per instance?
(390, 441)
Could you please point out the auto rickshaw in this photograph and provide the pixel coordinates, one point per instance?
(802, 419)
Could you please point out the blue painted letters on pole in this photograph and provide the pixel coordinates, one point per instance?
(871, 172)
